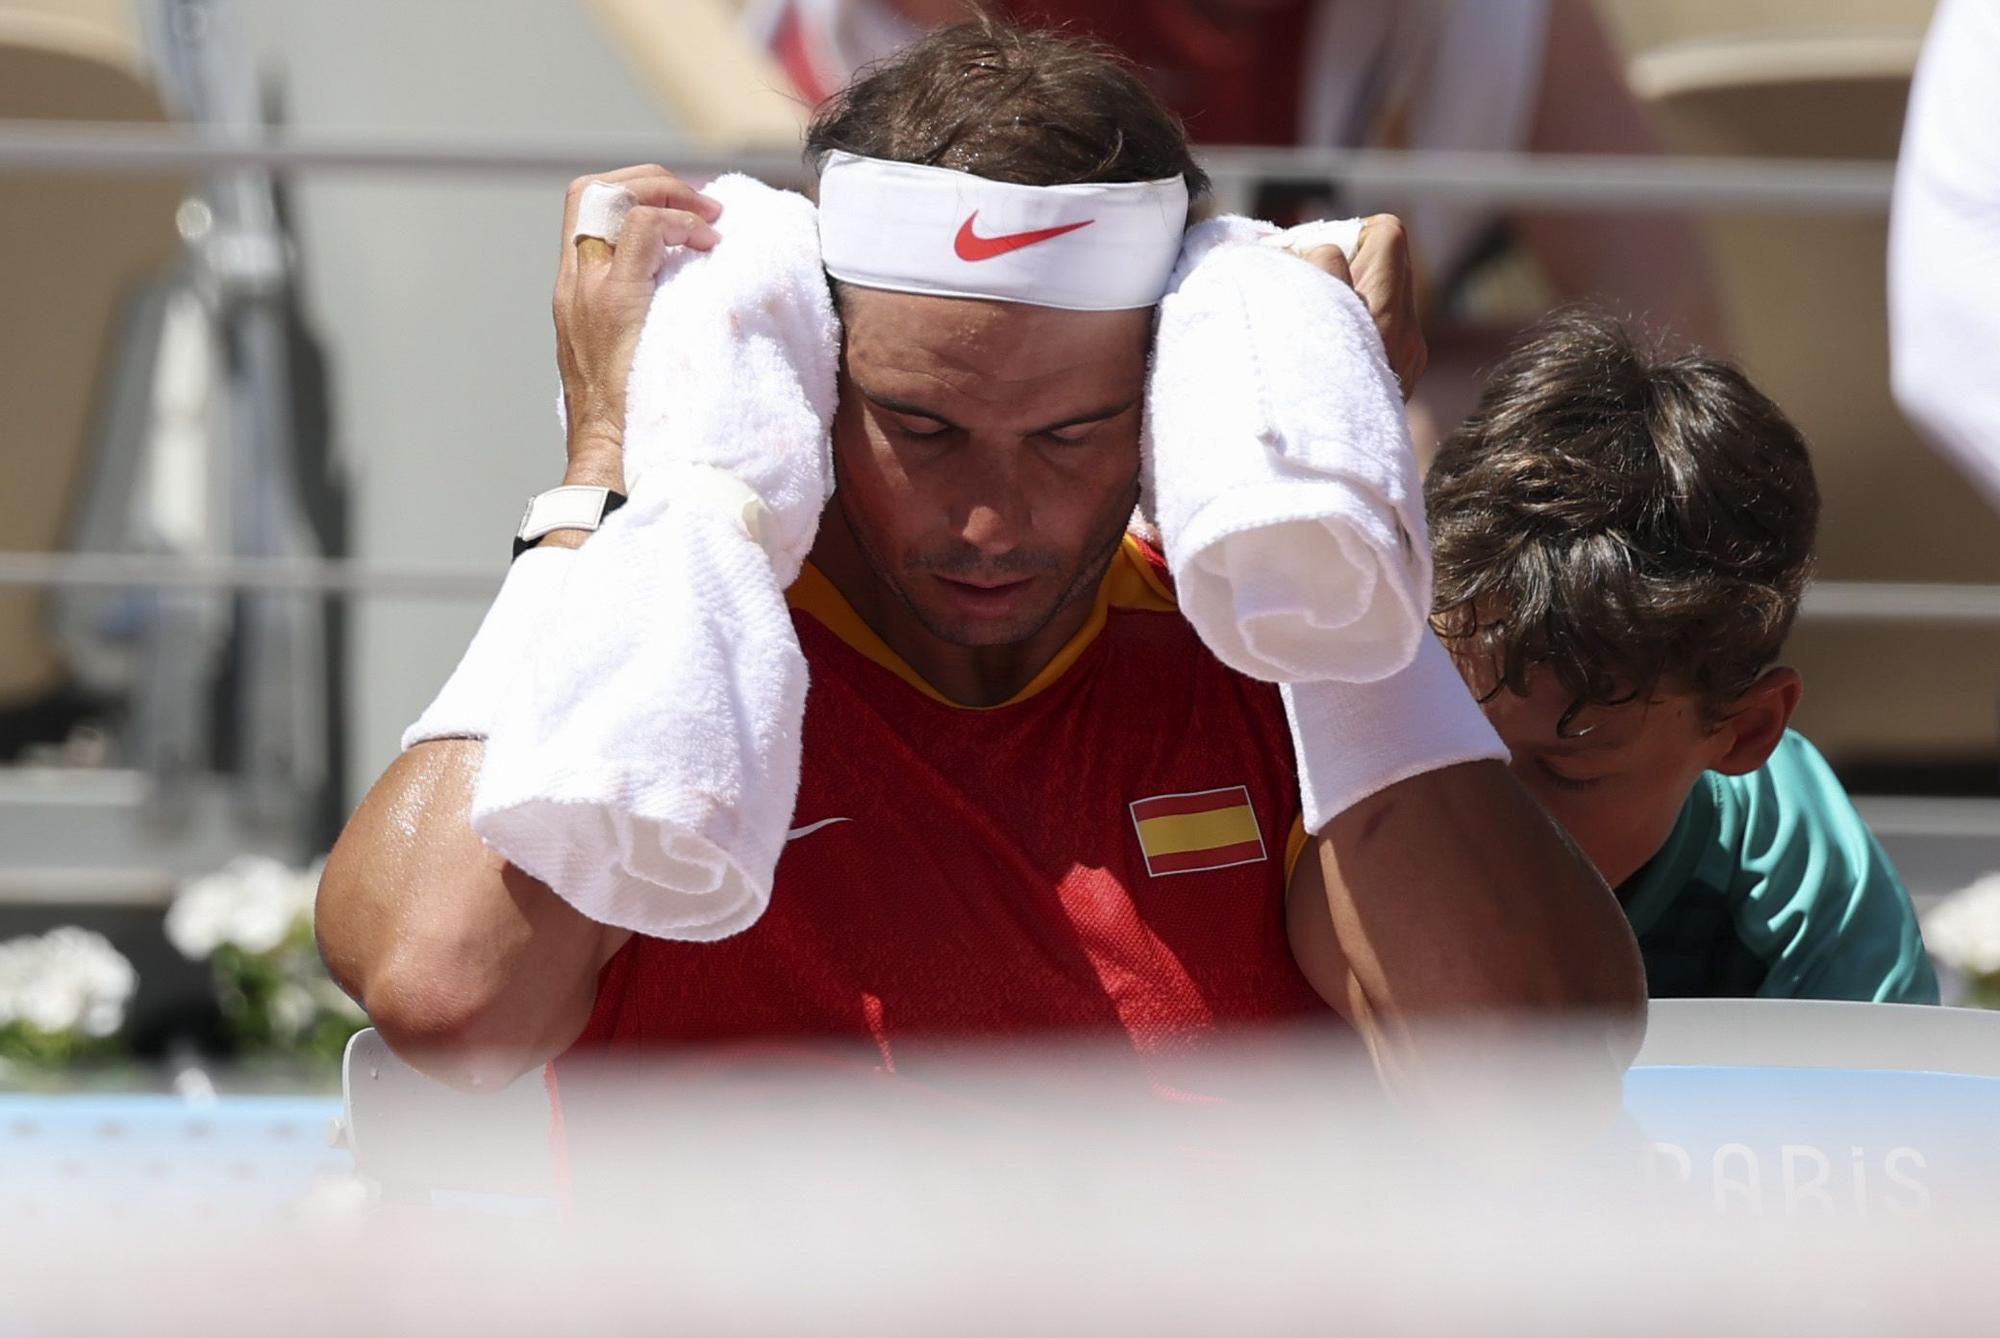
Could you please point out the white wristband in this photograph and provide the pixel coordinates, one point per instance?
(1353, 739)
(521, 613)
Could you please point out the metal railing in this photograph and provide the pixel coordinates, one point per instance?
(1556, 182)
(1547, 181)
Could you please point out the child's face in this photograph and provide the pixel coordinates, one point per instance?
(1616, 777)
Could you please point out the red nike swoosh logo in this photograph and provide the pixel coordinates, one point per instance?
(971, 246)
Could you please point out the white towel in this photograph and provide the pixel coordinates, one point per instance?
(1278, 463)
(529, 602)
(646, 761)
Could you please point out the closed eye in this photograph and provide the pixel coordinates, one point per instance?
(1571, 783)
(912, 421)
(1075, 431)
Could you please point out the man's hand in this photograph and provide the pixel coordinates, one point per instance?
(602, 295)
(1383, 277)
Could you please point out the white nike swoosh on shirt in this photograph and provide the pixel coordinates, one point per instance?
(811, 827)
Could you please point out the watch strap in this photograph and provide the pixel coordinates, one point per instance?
(570, 507)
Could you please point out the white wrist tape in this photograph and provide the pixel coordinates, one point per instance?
(520, 615)
(601, 210)
(1353, 739)
(1344, 233)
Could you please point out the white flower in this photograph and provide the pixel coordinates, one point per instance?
(69, 979)
(252, 902)
(1964, 928)
(17, 966)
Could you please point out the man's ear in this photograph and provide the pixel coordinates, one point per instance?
(1758, 720)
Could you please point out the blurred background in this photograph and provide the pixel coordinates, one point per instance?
(277, 368)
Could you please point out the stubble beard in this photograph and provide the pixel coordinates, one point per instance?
(1082, 584)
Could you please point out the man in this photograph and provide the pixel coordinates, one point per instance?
(1004, 706)
(1621, 543)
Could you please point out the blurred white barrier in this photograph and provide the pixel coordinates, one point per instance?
(1048, 1191)
(1794, 1073)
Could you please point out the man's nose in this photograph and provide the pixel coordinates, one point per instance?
(994, 513)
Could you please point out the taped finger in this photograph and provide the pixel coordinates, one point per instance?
(601, 211)
(1344, 233)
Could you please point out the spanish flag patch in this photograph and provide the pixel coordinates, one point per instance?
(1206, 829)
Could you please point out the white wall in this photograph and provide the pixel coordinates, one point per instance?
(432, 295)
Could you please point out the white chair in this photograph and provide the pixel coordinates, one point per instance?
(1798, 1108)
(1815, 1033)
(417, 1139)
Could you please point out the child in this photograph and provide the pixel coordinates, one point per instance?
(1621, 542)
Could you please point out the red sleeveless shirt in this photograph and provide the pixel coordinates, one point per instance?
(1108, 850)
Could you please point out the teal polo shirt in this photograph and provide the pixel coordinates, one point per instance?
(1772, 887)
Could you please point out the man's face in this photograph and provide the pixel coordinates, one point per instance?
(1616, 777)
(987, 454)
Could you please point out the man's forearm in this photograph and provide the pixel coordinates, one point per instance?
(1453, 896)
(469, 967)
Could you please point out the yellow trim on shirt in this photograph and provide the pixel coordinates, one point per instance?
(1135, 585)
(1295, 846)
(1128, 584)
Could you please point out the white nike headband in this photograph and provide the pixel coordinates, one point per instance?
(916, 229)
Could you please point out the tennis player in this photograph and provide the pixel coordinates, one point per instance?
(1032, 802)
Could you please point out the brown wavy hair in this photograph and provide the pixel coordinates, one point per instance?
(1632, 522)
(1036, 107)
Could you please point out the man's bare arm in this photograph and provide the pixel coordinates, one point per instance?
(471, 969)
(1452, 898)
